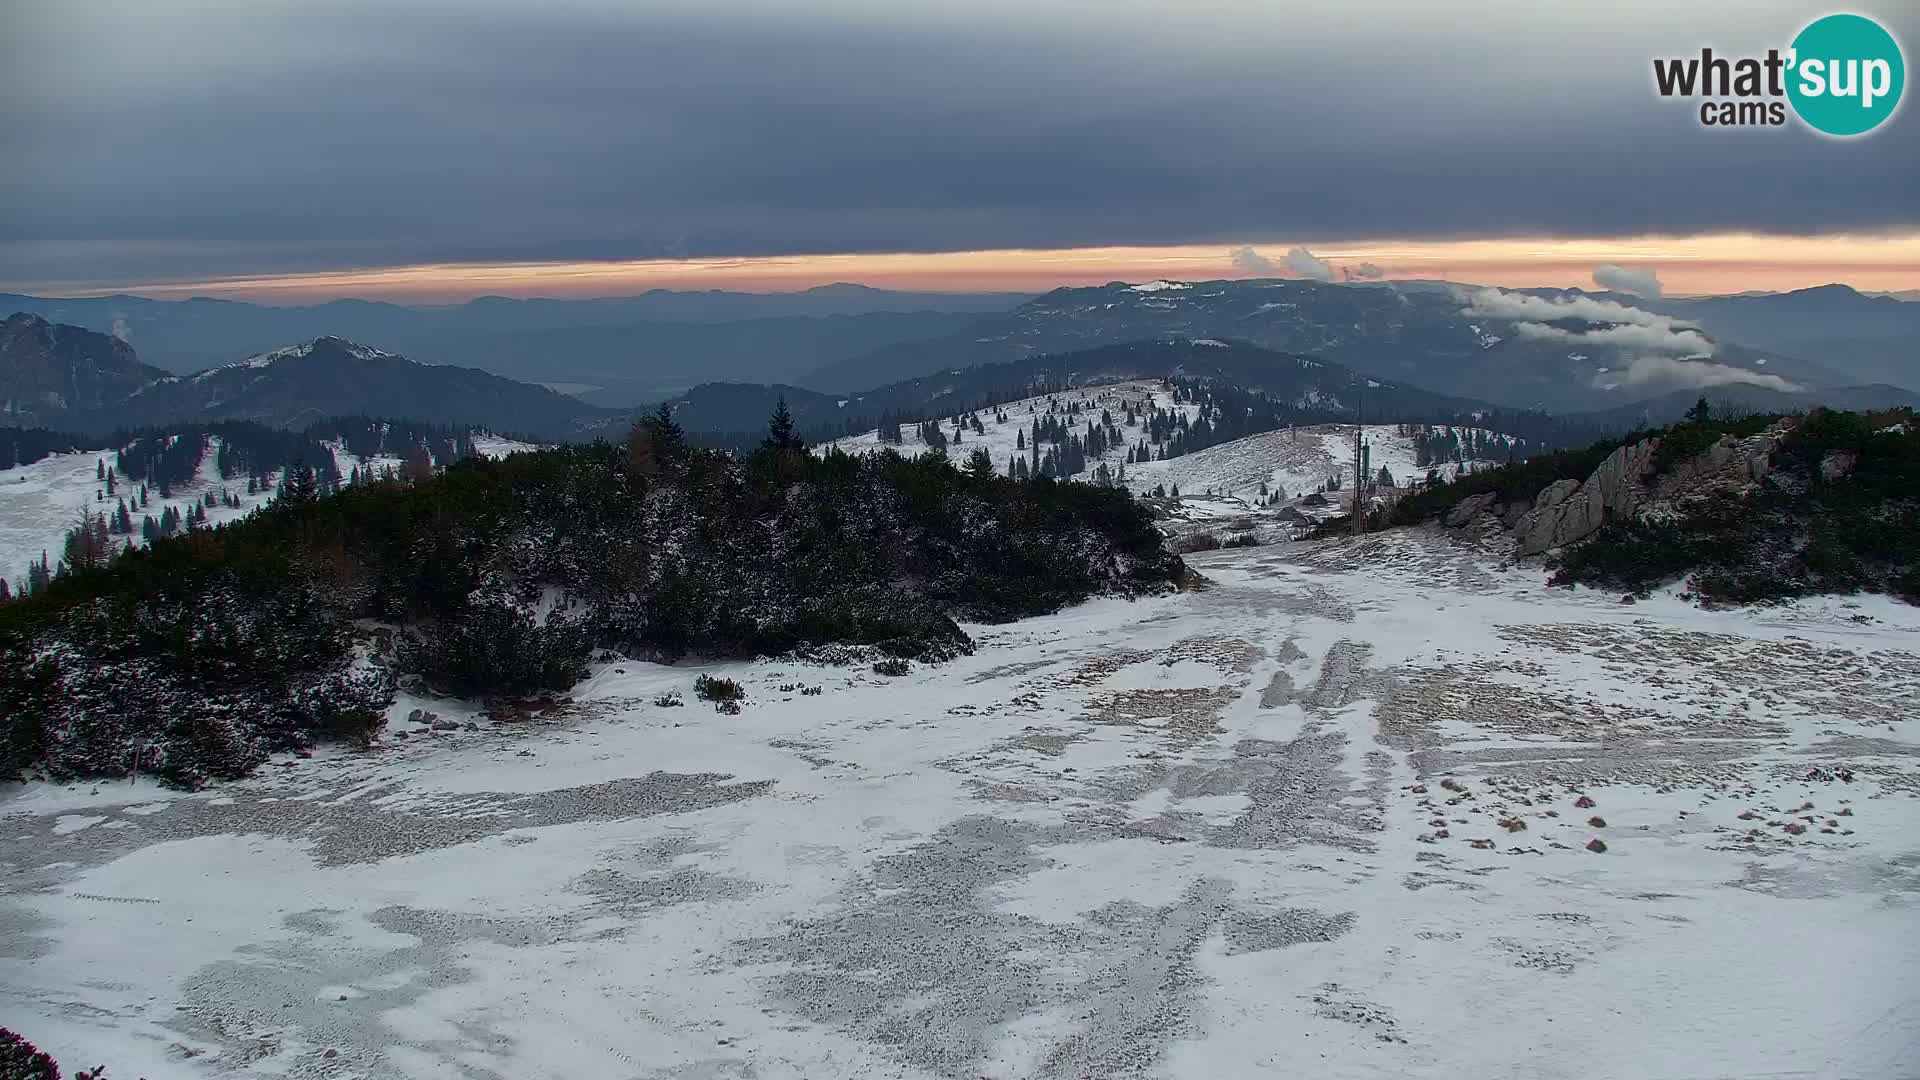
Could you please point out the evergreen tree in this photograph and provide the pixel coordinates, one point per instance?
(38, 575)
(298, 488)
(980, 464)
(780, 433)
(88, 544)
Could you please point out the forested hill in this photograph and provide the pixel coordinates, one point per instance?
(1287, 389)
(500, 577)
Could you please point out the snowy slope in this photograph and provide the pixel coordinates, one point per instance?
(1270, 828)
(40, 502)
(1296, 461)
(1002, 440)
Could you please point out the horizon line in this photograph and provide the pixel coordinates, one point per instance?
(1687, 265)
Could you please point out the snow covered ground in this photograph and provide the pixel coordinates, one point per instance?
(40, 502)
(1328, 818)
(1296, 461)
(1003, 440)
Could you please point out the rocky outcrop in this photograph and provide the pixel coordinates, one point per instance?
(1469, 508)
(1730, 465)
(1568, 511)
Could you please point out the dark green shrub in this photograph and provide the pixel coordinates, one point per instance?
(708, 688)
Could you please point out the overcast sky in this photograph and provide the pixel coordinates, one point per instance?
(146, 140)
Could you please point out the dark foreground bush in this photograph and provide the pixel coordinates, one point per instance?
(708, 688)
(21, 1060)
(199, 655)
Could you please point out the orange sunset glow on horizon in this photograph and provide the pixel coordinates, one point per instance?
(1705, 264)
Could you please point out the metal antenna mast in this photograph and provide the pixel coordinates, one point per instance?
(1359, 470)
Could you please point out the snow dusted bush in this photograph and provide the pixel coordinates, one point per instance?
(492, 645)
(197, 656)
(708, 688)
(188, 692)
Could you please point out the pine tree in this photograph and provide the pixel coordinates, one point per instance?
(780, 433)
(980, 464)
(299, 487)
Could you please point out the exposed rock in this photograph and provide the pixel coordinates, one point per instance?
(1838, 464)
(1568, 511)
(1583, 803)
(1469, 508)
(1555, 493)
(1596, 845)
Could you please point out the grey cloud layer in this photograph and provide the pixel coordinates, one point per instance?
(226, 138)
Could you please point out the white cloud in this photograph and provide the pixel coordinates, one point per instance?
(1696, 372)
(1625, 336)
(1368, 270)
(1306, 264)
(1251, 261)
(1499, 304)
(1623, 326)
(1628, 280)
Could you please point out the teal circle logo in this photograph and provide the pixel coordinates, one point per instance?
(1847, 74)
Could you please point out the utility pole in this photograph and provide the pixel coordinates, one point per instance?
(1359, 479)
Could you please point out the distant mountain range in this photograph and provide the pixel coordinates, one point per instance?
(546, 369)
(51, 373)
(1327, 390)
(71, 379)
(1871, 339)
(1487, 344)
(1672, 407)
(1583, 351)
(617, 351)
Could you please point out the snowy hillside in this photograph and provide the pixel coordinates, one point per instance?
(1359, 811)
(1005, 441)
(1239, 473)
(41, 501)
